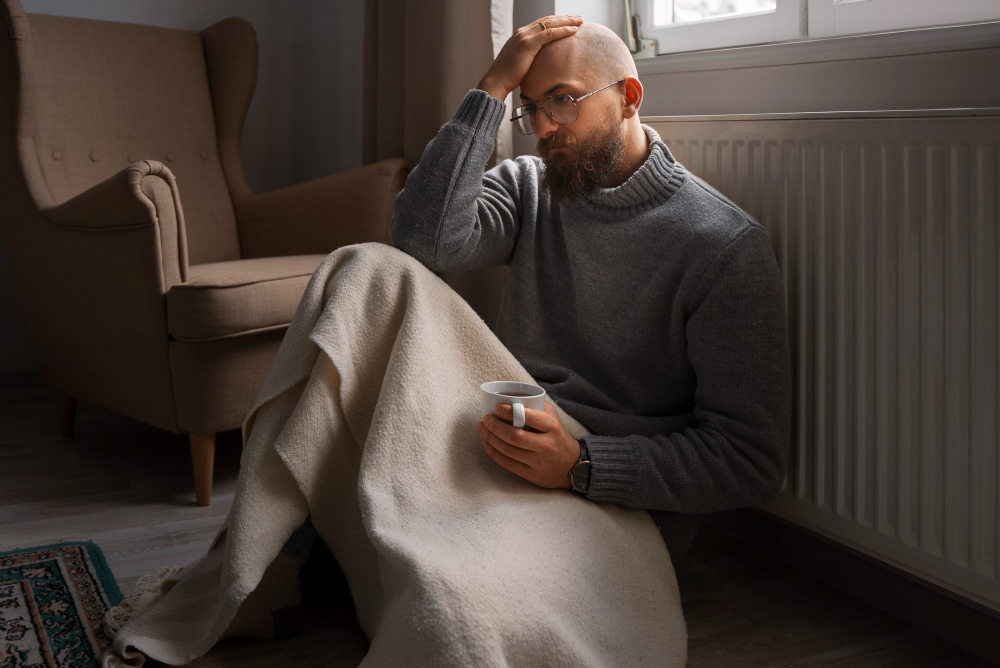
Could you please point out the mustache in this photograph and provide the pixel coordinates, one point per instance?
(548, 144)
(586, 165)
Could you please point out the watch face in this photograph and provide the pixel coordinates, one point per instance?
(581, 476)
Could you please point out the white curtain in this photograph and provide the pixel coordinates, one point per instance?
(502, 22)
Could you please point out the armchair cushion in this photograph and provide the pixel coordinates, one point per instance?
(224, 299)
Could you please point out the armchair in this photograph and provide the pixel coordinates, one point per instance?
(168, 313)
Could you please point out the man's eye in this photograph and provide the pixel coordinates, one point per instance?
(530, 109)
(561, 99)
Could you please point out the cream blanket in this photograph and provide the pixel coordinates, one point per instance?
(366, 421)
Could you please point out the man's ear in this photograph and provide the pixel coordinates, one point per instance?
(633, 97)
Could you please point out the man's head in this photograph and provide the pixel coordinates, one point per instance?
(591, 151)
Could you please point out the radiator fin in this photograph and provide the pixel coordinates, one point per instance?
(886, 234)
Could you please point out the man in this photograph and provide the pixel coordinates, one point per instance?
(648, 305)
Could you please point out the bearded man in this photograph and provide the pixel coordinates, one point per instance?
(646, 304)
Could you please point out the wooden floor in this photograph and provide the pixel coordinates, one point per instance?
(128, 488)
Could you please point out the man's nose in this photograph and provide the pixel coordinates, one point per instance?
(544, 126)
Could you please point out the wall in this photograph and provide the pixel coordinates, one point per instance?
(936, 68)
(305, 119)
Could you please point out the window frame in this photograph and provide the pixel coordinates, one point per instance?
(828, 18)
(785, 22)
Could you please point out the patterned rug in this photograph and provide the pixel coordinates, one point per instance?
(52, 601)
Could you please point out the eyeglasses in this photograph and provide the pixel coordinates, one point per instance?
(561, 109)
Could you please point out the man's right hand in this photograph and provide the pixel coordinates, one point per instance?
(517, 54)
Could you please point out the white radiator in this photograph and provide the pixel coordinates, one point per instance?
(886, 230)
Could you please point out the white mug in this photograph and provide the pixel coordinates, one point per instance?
(499, 392)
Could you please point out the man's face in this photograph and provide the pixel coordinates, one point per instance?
(589, 152)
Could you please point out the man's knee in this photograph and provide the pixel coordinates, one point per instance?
(382, 256)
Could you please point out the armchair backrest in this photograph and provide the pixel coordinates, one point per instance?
(107, 94)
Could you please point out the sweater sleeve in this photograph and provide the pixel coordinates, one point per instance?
(738, 346)
(450, 215)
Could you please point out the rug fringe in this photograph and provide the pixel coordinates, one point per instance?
(149, 589)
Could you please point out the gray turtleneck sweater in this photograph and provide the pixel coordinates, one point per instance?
(652, 312)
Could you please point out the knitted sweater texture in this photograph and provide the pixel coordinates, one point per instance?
(653, 312)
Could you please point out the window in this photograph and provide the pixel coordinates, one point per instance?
(689, 25)
(667, 12)
(850, 17)
(693, 25)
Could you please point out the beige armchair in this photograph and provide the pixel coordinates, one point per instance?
(170, 314)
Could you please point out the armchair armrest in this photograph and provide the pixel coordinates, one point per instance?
(93, 274)
(144, 194)
(321, 215)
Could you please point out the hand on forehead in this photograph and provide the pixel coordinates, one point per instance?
(584, 62)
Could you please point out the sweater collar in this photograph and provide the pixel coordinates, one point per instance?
(659, 177)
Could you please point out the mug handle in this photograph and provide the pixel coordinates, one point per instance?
(518, 415)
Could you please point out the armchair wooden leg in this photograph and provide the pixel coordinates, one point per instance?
(203, 461)
(67, 415)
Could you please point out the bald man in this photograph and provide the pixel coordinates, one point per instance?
(648, 305)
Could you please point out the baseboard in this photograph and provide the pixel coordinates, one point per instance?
(926, 606)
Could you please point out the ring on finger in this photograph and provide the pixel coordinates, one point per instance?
(541, 24)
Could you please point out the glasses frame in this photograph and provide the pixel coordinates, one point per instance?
(520, 111)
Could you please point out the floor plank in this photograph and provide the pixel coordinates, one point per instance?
(747, 609)
(129, 488)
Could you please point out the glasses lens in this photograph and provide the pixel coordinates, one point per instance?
(562, 109)
(523, 122)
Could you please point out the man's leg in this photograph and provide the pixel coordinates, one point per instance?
(274, 608)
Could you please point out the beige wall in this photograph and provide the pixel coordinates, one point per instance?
(305, 119)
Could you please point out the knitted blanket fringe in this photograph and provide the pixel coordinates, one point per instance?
(366, 424)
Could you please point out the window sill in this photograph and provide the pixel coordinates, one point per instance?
(849, 47)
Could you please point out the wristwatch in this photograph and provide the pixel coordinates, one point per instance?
(579, 475)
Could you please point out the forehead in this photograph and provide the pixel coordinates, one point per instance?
(534, 91)
(559, 63)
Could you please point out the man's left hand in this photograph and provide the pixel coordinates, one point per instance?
(544, 458)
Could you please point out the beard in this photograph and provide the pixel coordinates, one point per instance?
(582, 168)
